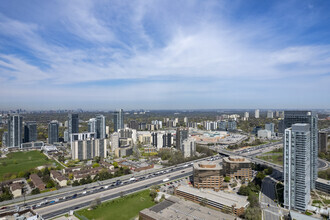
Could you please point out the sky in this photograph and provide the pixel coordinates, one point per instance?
(99, 55)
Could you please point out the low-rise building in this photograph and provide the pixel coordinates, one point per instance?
(150, 150)
(37, 182)
(208, 175)
(264, 134)
(238, 167)
(174, 208)
(123, 151)
(225, 202)
(16, 189)
(322, 185)
(59, 178)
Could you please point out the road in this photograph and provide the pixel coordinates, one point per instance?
(61, 208)
(269, 207)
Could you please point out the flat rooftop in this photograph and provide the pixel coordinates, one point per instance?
(323, 181)
(207, 165)
(225, 198)
(176, 208)
(236, 159)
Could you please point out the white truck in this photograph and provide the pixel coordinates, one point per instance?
(165, 180)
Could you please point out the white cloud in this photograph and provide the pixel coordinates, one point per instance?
(210, 49)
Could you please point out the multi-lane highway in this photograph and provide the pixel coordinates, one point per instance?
(71, 198)
(84, 200)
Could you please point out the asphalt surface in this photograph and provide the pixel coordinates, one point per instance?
(269, 207)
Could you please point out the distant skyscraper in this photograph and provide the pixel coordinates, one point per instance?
(232, 125)
(30, 131)
(15, 131)
(118, 120)
(324, 140)
(100, 127)
(181, 135)
(270, 114)
(270, 127)
(297, 166)
(92, 125)
(308, 117)
(73, 124)
(53, 132)
(256, 113)
(246, 115)
(277, 114)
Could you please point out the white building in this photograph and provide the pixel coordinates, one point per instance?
(270, 127)
(297, 167)
(264, 134)
(189, 147)
(256, 113)
(270, 114)
(114, 141)
(246, 115)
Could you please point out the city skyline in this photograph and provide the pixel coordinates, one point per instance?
(158, 55)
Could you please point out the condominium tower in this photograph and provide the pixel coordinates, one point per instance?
(53, 132)
(311, 118)
(73, 124)
(118, 120)
(297, 166)
(30, 131)
(15, 131)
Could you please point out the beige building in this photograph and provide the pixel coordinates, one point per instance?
(174, 208)
(239, 167)
(59, 178)
(89, 148)
(208, 175)
(224, 202)
(124, 151)
(16, 189)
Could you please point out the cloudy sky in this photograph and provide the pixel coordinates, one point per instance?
(164, 54)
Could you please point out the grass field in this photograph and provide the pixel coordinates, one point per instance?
(21, 162)
(273, 157)
(122, 208)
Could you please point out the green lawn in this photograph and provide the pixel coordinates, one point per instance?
(120, 208)
(21, 162)
(276, 159)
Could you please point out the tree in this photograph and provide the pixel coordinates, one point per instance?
(227, 179)
(50, 184)
(96, 165)
(97, 159)
(268, 171)
(95, 203)
(252, 213)
(153, 194)
(75, 183)
(203, 202)
(35, 191)
(115, 164)
(46, 172)
(244, 190)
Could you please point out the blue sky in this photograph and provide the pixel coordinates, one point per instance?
(164, 54)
